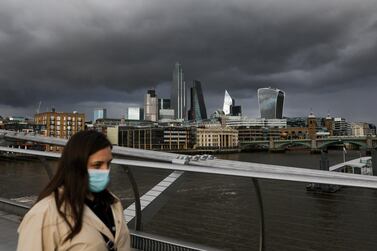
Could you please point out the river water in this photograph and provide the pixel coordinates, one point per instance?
(222, 211)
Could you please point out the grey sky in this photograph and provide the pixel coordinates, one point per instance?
(78, 55)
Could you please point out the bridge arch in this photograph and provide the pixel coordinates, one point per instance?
(253, 146)
(335, 142)
(293, 143)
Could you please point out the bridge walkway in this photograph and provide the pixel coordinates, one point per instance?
(8, 231)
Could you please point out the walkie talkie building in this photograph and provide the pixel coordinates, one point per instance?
(271, 103)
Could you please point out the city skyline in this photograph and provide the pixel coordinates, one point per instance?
(79, 56)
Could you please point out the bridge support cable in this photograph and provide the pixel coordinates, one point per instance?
(137, 204)
(46, 166)
(261, 214)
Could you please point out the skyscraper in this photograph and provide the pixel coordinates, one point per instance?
(178, 93)
(151, 106)
(99, 113)
(197, 106)
(228, 103)
(271, 103)
(163, 103)
(135, 113)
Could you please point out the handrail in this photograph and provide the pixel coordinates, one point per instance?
(13, 207)
(242, 169)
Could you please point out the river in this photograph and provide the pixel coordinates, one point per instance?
(222, 211)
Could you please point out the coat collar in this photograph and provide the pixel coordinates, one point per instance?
(91, 218)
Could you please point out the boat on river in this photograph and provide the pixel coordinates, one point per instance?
(362, 166)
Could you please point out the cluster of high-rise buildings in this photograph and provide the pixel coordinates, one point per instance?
(176, 108)
(181, 123)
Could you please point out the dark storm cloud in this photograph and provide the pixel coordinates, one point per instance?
(77, 51)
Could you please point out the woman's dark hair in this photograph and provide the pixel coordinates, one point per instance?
(70, 183)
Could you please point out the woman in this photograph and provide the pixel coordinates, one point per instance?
(76, 211)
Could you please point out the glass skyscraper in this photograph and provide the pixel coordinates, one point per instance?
(99, 113)
(271, 103)
(163, 103)
(178, 93)
(135, 113)
(228, 103)
(197, 106)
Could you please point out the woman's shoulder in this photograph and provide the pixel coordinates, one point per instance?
(41, 209)
(44, 205)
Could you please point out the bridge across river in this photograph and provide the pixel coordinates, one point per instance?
(366, 142)
(208, 165)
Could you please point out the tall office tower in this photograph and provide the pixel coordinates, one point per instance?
(135, 113)
(228, 103)
(163, 103)
(178, 93)
(151, 106)
(236, 110)
(197, 106)
(99, 113)
(164, 111)
(271, 103)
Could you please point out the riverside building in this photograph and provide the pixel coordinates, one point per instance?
(59, 124)
(236, 121)
(361, 129)
(341, 127)
(216, 138)
(156, 138)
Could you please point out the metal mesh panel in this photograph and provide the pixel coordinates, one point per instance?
(147, 244)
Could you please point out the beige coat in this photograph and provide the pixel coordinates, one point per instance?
(44, 229)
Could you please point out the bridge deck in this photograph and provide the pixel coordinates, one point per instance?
(8, 231)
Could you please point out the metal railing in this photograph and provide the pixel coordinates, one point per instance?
(149, 242)
(139, 240)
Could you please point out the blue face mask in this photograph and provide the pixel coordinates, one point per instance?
(98, 180)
